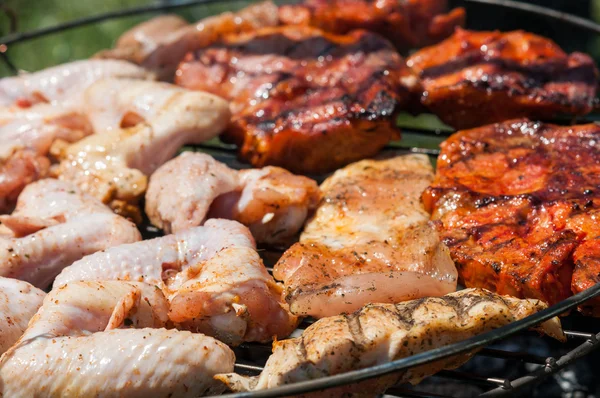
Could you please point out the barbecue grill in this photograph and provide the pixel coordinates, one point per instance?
(583, 333)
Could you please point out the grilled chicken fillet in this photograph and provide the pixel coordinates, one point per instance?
(380, 333)
(475, 78)
(407, 24)
(369, 241)
(303, 99)
(517, 204)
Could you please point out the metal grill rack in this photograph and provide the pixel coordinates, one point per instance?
(583, 334)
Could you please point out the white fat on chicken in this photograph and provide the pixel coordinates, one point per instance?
(53, 225)
(108, 339)
(271, 201)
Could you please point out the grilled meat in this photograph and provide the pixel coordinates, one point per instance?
(161, 43)
(212, 275)
(145, 124)
(303, 99)
(368, 242)
(516, 203)
(187, 190)
(407, 24)
(103, 339)
(19, 301)
(379, 333)
(475, 78)
(53, 225)
(64, 83)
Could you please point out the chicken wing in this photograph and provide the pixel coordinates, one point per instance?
(19, 301)
(64, 83)
(113, 165)
(380, 333)
(187, 190)
(161, 43)
(53, 225)
(475, 78)
(369, 241)
(100, 338)
(213, 276)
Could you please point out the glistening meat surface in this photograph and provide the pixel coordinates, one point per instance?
(303, 99)
(369, 241)
(517, 204)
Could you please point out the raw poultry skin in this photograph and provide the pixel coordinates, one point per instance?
(517, 204)
(369, 241)
(476, 78)
(19, 301)
(108, 339)
(53, 225)
(303, 99)
(212, 275)
(271, 201)
(140, 125)
(380, 333)
(407, 24)
(160, 43)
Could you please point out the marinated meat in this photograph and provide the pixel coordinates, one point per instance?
(380, 333)
(517, 203)
(303, 99)
(407, 24)
(475, 78)
(369, 242)
(271, 201)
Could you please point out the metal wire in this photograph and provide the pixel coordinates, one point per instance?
(500, 386)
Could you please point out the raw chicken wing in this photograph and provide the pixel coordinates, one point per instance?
(212, 275)
(99, 339)
(271, 201)
(368, 242)
(53, 225)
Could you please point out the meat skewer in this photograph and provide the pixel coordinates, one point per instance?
(476, 78)
(369, 241)
(303, 99)
(109, 340)
(53, 225)
(187, 190)
(518, 212)
(212, 275)
(19, 301)
(379, 333)
(157, 119)
(161, 43)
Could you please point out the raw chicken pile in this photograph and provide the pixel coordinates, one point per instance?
(90, 151)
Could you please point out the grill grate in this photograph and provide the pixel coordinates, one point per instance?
(251, 357)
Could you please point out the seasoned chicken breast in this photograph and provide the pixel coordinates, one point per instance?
(101, 339)
(19, 301)
(380, 333)
(212, 275)
(161, 43)
(157, 119)
(53, 225)
(271, 201)
(369, 241)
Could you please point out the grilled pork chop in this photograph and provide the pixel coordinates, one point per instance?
(161, 43)
(379, 333)
(303, 99)
(517, 204)
(407, 24)
(368, 242)
(271, 201)
(475, 78)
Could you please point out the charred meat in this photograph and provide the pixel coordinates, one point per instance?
(302, 99)
(407, 24)
(517, 204)
(476, 78)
